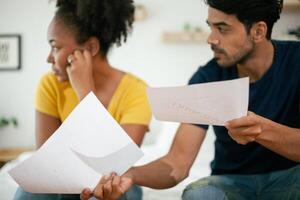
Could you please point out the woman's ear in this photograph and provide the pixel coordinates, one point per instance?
(259, 31)
(93, 46)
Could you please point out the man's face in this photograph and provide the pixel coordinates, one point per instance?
(228, 39)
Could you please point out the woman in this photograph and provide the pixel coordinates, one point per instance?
(80, 35)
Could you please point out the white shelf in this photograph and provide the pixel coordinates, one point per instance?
(289, 5)
(140, 12)
(185, 37)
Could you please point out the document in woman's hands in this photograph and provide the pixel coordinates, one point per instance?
(88, 144)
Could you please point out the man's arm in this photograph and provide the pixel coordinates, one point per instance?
(174, 167)
(164, 172)
(276, 137)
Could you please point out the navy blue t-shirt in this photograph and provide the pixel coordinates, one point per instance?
(275, 96)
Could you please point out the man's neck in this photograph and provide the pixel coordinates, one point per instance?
(258, 63)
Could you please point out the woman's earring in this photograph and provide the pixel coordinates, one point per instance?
(70, 59)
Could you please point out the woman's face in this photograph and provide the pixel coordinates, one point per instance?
(62, 41)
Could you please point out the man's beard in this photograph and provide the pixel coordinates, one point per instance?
(238, 58)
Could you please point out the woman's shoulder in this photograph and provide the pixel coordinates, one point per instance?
(49, 78)
(131, 85)
(49, 82)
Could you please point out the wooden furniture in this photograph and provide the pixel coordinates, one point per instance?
(140, 12)
(291, 5)
(188, 37)
(8, 154)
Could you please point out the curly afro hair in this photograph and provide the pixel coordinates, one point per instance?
(108, 20)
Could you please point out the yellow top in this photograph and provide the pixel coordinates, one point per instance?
(129, 104)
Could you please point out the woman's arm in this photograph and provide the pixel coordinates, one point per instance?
(136, 132)
(45, 126)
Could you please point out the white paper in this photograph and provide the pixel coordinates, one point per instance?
(211, 103)
(89, 144)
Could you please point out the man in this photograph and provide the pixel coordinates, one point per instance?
(256, 156)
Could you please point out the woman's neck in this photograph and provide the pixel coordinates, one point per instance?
(104, 74)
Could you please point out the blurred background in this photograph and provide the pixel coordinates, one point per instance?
(167, 45)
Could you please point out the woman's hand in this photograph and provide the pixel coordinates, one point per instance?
(86, 194)
(109, 188)
(80, 72)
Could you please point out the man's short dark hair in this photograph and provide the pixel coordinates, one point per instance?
(249, 12)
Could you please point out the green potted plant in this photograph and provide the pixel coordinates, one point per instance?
(5, 121)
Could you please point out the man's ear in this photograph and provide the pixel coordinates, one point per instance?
(259, 31)
(93, 45)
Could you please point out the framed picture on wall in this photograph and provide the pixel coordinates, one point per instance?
(10, 52)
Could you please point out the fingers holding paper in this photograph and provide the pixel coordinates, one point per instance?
(246, 129)
(109, 188)
(113, 187)
(86, 194)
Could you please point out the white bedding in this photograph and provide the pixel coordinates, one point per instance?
(7, 185)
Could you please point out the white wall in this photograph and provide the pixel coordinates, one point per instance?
(30, 19)
(162, 64)
(144, 54)
(290, 18)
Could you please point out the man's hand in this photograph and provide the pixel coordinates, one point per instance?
(246, 129)
(109, 188)
(80, 72)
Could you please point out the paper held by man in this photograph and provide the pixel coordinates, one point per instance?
(89, 144)
(211, 103)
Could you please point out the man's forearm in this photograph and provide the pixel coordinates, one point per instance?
(282, 140)
(157, 174)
